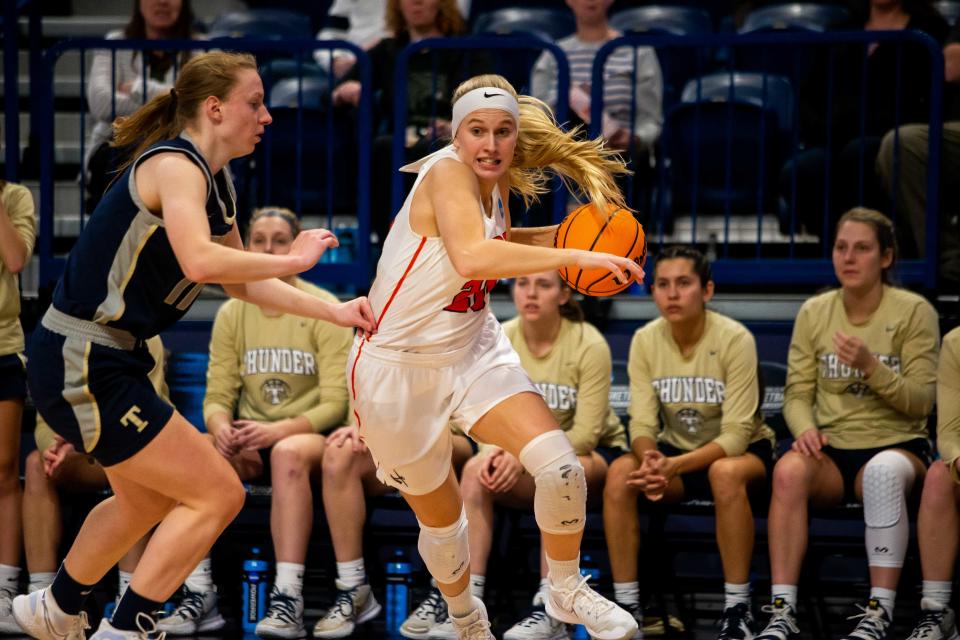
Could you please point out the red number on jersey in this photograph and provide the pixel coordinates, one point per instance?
(472, 296)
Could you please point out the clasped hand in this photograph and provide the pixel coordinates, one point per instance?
(654, 475)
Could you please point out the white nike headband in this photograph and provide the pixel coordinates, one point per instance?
(484, 98)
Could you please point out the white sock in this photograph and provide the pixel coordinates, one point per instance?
(734, 594)
(937, 594)
(786, 591)
(201, 579)
(477, 585)
(352, 573)
(41, 580)
(560, 570)
(462, 604)
(541, 594)
(289, 578)
(886, 598)
(626, 592)
(123, 582)
(9, 578)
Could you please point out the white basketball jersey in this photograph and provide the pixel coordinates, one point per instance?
(422, 304)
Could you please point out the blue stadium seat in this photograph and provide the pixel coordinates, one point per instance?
(713, 159)
(286, 93)
(747, 87)
(327, 163)
(949, 9)
(660, 18)
(280, 80)
(677, 64)
(796, 15)
(551, 24)
(274, 24)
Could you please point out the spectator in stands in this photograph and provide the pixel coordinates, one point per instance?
(569, 361)
(938, 523)
(120, 88)
(860, 385)
(619, 90)
(275, 383)
(51, 469)
(410, 21)
(698, 370)
(910, 180)
(896, 90)
(349, 475)
(17, 234)
(361, 22)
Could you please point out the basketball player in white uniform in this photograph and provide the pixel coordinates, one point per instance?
(439, 355)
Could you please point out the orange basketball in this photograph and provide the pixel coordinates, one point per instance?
(617, 232)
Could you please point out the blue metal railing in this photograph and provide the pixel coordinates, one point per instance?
(759, 268)
(791, 269)
(474, 43)
(355, 271)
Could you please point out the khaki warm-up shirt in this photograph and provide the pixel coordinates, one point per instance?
(856, 412)
(711, 396)
(270, 368)
(574, 380)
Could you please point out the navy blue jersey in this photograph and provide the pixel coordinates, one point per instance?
(122, 273)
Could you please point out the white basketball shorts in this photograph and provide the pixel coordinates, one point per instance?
(405, 403)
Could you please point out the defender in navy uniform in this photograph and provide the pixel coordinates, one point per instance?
(164, 229)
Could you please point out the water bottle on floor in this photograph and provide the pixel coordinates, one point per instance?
(254, 590)
(398, 590)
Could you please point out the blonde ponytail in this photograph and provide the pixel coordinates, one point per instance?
(587, 167)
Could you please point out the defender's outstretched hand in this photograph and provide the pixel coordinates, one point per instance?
(309, 245)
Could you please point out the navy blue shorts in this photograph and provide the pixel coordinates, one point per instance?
(696, 485)
(609, 454)
(97, 398)
(13, 377)
(850, 461)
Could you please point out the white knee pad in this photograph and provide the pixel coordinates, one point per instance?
(445, 550)
(560, 502)
(887, 479)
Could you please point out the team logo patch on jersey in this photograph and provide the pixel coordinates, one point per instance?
(692, 419)
(858, 389)
(274, 391)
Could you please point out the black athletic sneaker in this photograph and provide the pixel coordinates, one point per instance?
(737, 623)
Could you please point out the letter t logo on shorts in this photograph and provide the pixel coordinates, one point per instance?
(133, 416)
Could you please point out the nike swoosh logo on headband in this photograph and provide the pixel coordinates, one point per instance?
(490, 95)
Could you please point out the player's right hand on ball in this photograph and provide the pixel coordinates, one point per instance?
(617, 265)
(309, 245)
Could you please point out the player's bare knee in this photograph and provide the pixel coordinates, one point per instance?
(222, 501)
(616, 488)
(727, 480)
(560, 501)
(471, 489)
(940, 492)
(338, 462)
(791, 475)
(33, 472)
(286, 460)
(938, 477)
